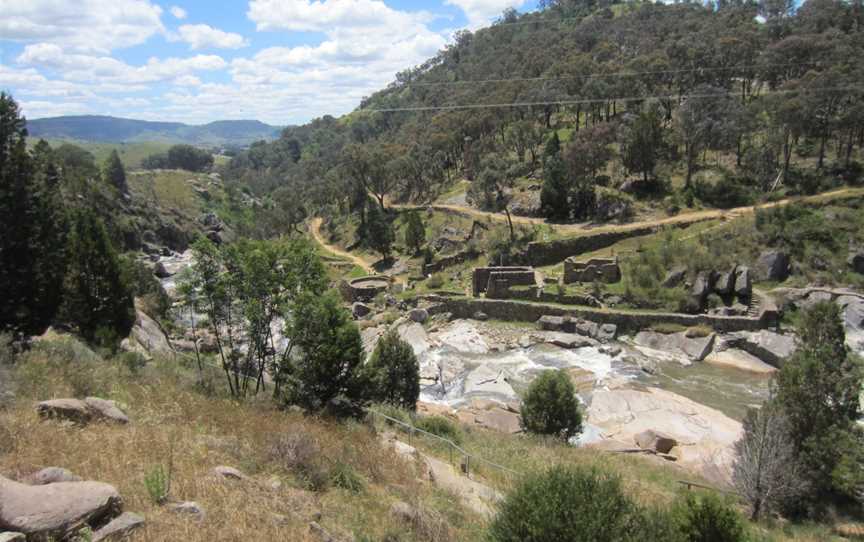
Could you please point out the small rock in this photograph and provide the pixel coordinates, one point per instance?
(359, 310)
(607, 332)
(12, 537)
(119, 527)
(228, 473)
(191, 508)
(481, 316)
(610, 350)
(403, 512)
(160, 271)
(320, 532)
(50, 475)
(106, 410)
(418, 315)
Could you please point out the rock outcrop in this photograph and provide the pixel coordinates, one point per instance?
(78, 411)
(772, 348)
(119, 528)
(774, 265)
(694, 348)
(55, 510)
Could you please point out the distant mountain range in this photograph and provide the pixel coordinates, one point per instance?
(103, 129)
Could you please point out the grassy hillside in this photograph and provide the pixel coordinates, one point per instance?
(131, 154)
(340, 476)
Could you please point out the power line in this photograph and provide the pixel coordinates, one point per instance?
(595, 100)
(610, 74)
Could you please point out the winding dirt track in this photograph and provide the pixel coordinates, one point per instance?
(686, 218)
(315, 230)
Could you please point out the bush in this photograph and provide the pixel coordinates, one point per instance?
(158, 483)
(726, 193)
(708, 518)
(565, 504)
(441, 426)
(7, 352)
(435, 281)
(393, 372)
(550, 407)
(343, 476)
(300, 454)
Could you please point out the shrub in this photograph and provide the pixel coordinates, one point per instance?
(300, 454)
(550, 406)
(564, 503)
(708, 518)
(393, 372)
(7, 352)
(441, 426)
(158, 483)
(435, 281)
(343, 476)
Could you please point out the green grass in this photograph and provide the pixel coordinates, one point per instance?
(168, 189)
(131, 154)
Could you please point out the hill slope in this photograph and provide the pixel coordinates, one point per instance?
(96, 128)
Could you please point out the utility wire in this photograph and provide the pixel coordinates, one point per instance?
(598, 100)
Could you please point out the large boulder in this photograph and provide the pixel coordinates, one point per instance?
(55, 510)
(148, 333)
(856, 261)
(674, 277)
(106, 410)
(679, 344)
(743, 282)
(655, 441)
(78, 411)
(772, 348)
(74, 410)
(774, 265)
(726, 282)
(419, 315)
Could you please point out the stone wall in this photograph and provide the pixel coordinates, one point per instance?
(449, 261)
(503, 276)
(631, 321)
(601, 269)
(541, 253)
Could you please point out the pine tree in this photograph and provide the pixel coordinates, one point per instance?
(31, 256)
(415, 232)
(553, 146)
(96, 300)
(115, 173)
(394, 373)
(326, 376)
(379, 231)
(553, 194)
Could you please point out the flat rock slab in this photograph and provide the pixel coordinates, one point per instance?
(50, 475)
(106, 410)
(693, 348)
(55, 509)
(228, 473)
(119, 527)
(9, 536)
(189, 508)
(741, 360)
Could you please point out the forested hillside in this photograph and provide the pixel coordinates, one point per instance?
(101, 129)
(596, 112)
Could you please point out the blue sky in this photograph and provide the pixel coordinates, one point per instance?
(279, 61)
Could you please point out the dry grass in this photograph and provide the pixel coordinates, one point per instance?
(205, 432)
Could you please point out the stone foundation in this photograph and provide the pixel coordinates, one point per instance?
(601, 269)
(496, 281)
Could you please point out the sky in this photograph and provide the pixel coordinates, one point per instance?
(279, 61)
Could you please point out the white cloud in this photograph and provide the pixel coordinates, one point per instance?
(479, 12)
(178, 12)
(201, 36)
(325, 15)
(104, 69)
(86, 25)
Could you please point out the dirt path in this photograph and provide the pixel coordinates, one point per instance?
(315, 230)
(686, 218)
